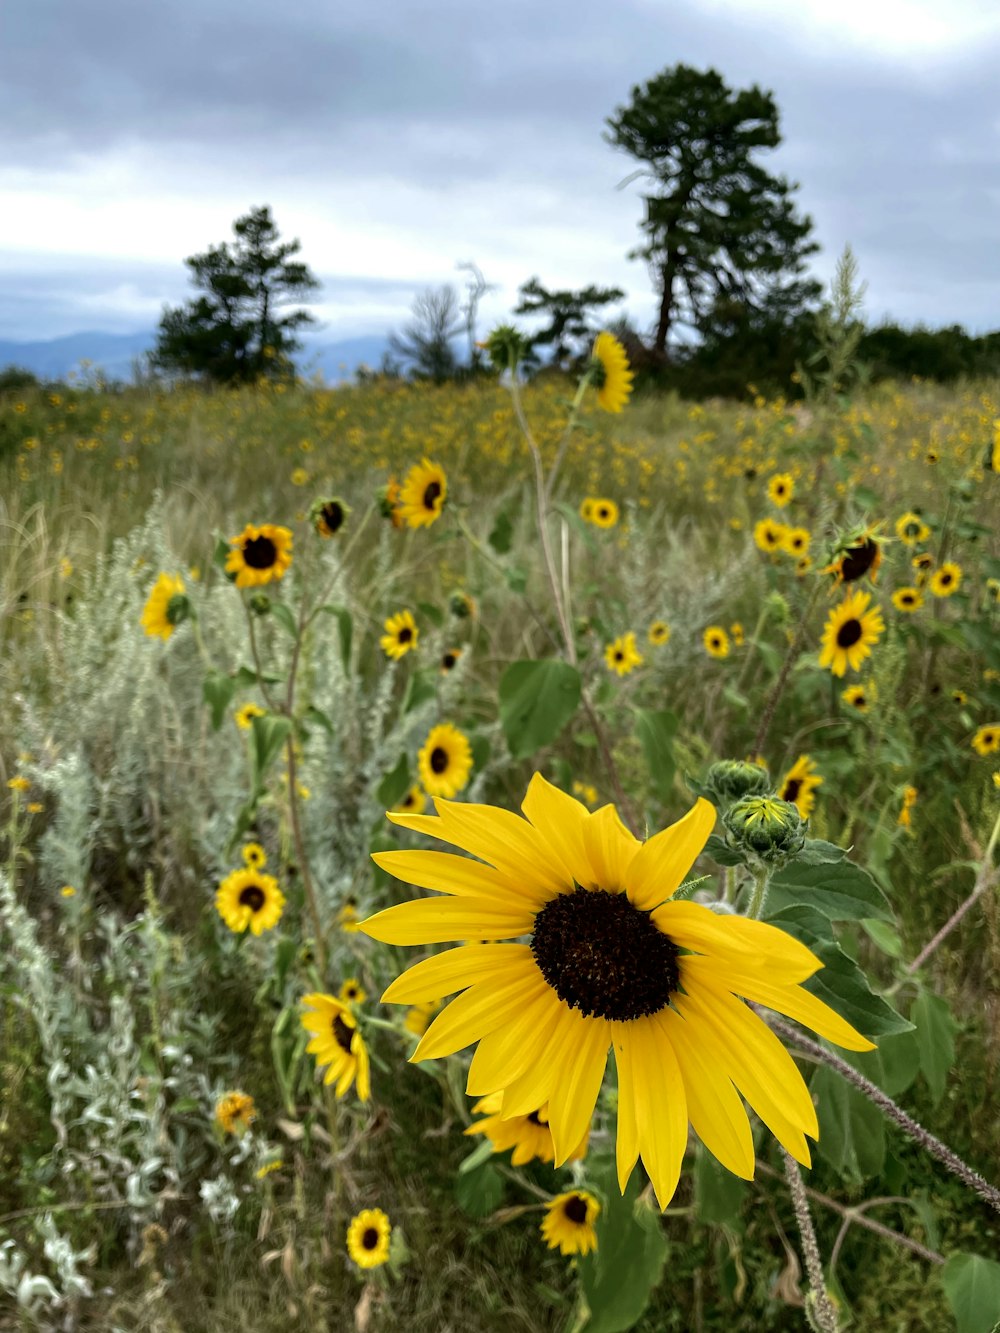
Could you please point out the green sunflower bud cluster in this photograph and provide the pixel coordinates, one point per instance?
(461, 605)
(765, 829)
(328, 514)
(778, 609)
(506, 347)
(730, 780)
(179, 608)
(259, 603)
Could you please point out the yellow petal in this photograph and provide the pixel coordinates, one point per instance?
(713, 1104)
(610, 848)
(574, 1097)
(534, 1087)
(627, 1138)
(659, 867)
(442, 920)
(560, 819)
(471, 1015)
(505, 1055)
(454, 874)
(453, 970)
(506, 841)
(429, 825)
(726, 940)
(660, 1105)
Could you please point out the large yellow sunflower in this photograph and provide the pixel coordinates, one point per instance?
(445, 761)
(166, 607)
(368, 1238)
(422, 495)
(248, 898)
(337, 1042)
(401, 634)
(850, 631)
(611, 373)
(259, 555)
(529, 1135)
(799, 785)
(610, 961)
(568, 1225)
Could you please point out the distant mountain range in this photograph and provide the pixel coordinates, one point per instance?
(115, 354)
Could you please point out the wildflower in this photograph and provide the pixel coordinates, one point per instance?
(716, 641)
(248, 898)
(337, 1042)
(413, 803)
(18, 784)
(987, 739)
(347, 917)
(958, 696)
(587, 509)
(462, 606)
(945, 581)
(799, 785)
(368, 1238)
(299, 476)
(659, 633)
(67, 891)
(388, 502)
(909, 801)
(166, 606)
(859, 697)
(780, 489)
(400, 635)
(568, 1225)
(911, 529)
(445, 761)
(622, 655)
(907, 599)
(449, 660)
(65, 567)
(851, 630)
(529, 1135)
(254, 856)
(796, 541)
(259, 555)
(264, 1171)
(423, 493)
(736, 630)
(769, 536)
(610, 373)
(328, 515)
(35, 807)
(862, 555)
(611, 961)
(352, 992)
(418, 1017)
(585, 792)
(244, 716)
(235, 1112)
(603, 513)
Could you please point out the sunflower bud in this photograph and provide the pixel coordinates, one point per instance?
(506, 347)
(328, 514)
(179, 608)
(461, 605)
(260, 603)
(777, 608)
(764, 829)
(388, 501)
(730, 780)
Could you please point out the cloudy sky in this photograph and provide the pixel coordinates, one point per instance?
(397, 138)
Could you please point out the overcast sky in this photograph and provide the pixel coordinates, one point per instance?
(397, 138)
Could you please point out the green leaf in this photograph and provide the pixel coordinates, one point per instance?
(431, 612)
(421, 686)
(517, 578)
(843, 986)
(805, 923)
(935, 1037)
(893, 1065)
(617, 1279)
(269, 735)
(479, 1192)
(285, 617)
(851, 1128)
(218, 691)
(885, 936)
(537, 699)
(718, 1194)
(480, 746)
(390, 790)
(656, 732)
(818, 852)
(502, 535)
(346, 627)
(839, 889)
(314, 714)
(482, 1152)
(972, 1287)
(721, 854)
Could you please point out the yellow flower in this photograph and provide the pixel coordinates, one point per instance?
(611, 373)
(299, 476)
(586, 793)
(909, 800)
(907, 599)
(248, 898)
(352, 992)
(861, 556)
(945, 581)
(65, 567)
(67, 891)
(347, 917)
(622, 655)
(449, 660)
(529, 1135)
(337, 1042)
(770, 536)
(413, 803)
(612, 961)
(603, 513)
(18, 784)
(259, 555)
(328, 515)
(264, 1171)
(244, 716)
(781, 488)
(659, 633)
(419, 1016)
(736, 630)
(716, 641)
(859, 697)
(166, 607)
(911, 529)
(235, 1112)
(568, 1225)
(850, 631)
(368, 1238)
(987, 739)
(587, 509)
(796, 541)
(401, 634)
(254, 856)
(799, 785)
(445, 761)
(422, 495)
(35, 807)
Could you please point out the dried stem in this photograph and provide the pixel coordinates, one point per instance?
(818, 1303)
(986, 878)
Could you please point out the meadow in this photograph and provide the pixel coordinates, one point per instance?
(634, 607)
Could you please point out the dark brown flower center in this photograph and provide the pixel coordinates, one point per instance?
(849, 633)
(449, 660)
(438, 759)
(342, 1034)
(253, 896)
(369, 1239)
(404, 635)
(858, 560)
(575, 1209)
(792, 788)
(432, 492)
(259, 552)
(944, 579)
(332, 515)
(533, 1117)
(603, 956)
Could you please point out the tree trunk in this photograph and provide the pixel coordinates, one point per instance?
(667, 275)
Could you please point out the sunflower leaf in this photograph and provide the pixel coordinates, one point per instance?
(479, 1191)
(285, 617)
(617, 1280)
(346, 626)
(218, 690)
(972, 1286)
(392, 786)
(656, 732)
(269, 735)
(851, 1128)
(841, 890)
(537, 699)
(936, 1038)
(842, 985)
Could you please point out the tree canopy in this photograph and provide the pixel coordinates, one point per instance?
(569, 328)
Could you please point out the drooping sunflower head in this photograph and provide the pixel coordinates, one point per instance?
(609, 373)
(337, 1043)
(851, 630)
(799, 785)
(388, 497)
(401, 635)
(907, 599)
(423, 494)
(911, 529)
(781, 488)
(445, 761)
(859, 554)
(166, 607)
(716, 641)
(259, 555)
(449, 660)
(622, 656)
(568, 1225)
(659, 633)
(247, 898)
(328, 514)
(368, 1238)
(945, 580)
(235, 1112)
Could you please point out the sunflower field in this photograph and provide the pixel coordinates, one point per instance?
(500, 857)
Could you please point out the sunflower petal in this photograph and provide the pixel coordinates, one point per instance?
(560, 819)
(443, 920)
(471, 1015)
(736, 941)
(660, 1105)
(454, 874)
(610, 848)
(453, 970)
(506, 841)
(534, 1087)
(658, 868)
(502, 1057)
(574, 1097)
(627, 1137)
(713, 1104)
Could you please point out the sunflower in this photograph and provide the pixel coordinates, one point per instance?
(945, 581)
(911, 529)
(716, 641)
(622, 655)
(418, 1017)
(388, 502)
(352, 992)
(347, 917)
(862, 556)
(611, 961)
(987, 739)
(910, 795)
(400, 635)
(368, 1238)
(799, 785)
(166, 606)
(422, 495)
(859, 697)
(529, 1135)
(923, 562)
(449, 660)
(445, 761)
(235, 1112)
(610, 373)
(781, 488)
(659, 633)
(337, 1042)
(586, 792)
(259, 555)
(254, 856)
(770, 536)
(413, 803)
(248, 898)
(328, 515)
(959, 697)
(587, 509)
(739, 637)
(796, 541)
(907, 599)
(850, 631)
(244, 716)
(603, 513)
(568, 1225)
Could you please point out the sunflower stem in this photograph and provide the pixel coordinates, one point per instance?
(786, 667)
(819, 1308)
(761, 879)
